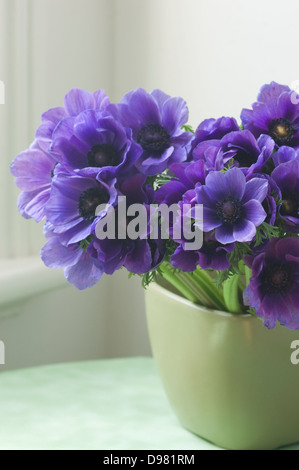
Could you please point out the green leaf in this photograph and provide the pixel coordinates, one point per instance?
(235, 263)
(187, 128)
(266, 232)
(84, 244)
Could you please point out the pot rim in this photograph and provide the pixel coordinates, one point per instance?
(200, 308)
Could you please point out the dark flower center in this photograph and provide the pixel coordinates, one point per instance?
(278, 278)
(103, 155)
(90, 200)
(209, 246)
(281, 130)
(153, 137)
(290, 206)
(244, 159)
(229, 210)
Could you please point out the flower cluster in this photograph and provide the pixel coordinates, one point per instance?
(86, 155)
(90, 153)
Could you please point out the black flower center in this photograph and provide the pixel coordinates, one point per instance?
(229, 210)
(103, 155)
(281, 130)
(290, 206)
(90, 200)
(244, 159)
(153, 137)
(278, 278)
(209, 246)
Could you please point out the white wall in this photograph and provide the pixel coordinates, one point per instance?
(214, 53)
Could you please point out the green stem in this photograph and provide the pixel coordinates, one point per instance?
(176, 282)
(188, 280)
(210, 288)
(196, 286)
(247, 275)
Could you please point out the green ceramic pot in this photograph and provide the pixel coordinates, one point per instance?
(229, 379)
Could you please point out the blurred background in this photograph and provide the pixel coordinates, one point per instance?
(216, 55)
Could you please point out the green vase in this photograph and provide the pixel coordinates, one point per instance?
(229, 379)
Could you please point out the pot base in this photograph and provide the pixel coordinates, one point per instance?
(229, 379)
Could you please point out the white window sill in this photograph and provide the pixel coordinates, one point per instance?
(23, 278)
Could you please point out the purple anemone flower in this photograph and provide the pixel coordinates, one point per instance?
(274, 114)
(75, 102)
(156, 120)
(286, 177)
(181, 187)
(212, 255)
(33, 170)
(139, 255)
(273, 290)
(80, 268)
(74, 199)
(232, 206)
(205, 144)
(94, 143)
(247, 153)
(211, 129)
(238, 148)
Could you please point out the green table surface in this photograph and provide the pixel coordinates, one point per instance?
(111, 404)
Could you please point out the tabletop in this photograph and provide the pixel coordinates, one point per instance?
(110, 404)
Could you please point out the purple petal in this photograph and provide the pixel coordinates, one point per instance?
(101, 100)
(32, 169)
(69, 154)
(55, 255)
(139, 260)
(84, 273)
(32, 204)
(185, 260)
(174, 114)
(222, 185)
(54, 115)
(224, 234)
(210, 219)
(284, 154)
(270, 93)
(256, 188)
(144, 107)
(244, 231)
(77, 100)
(254, 211)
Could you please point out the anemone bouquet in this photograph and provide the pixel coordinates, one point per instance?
(93, 166)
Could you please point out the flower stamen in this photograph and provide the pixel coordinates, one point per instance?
(229, 210)
(281, 130)
(277, 278)
(153, 137)
(90, 200)
(103, 155)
